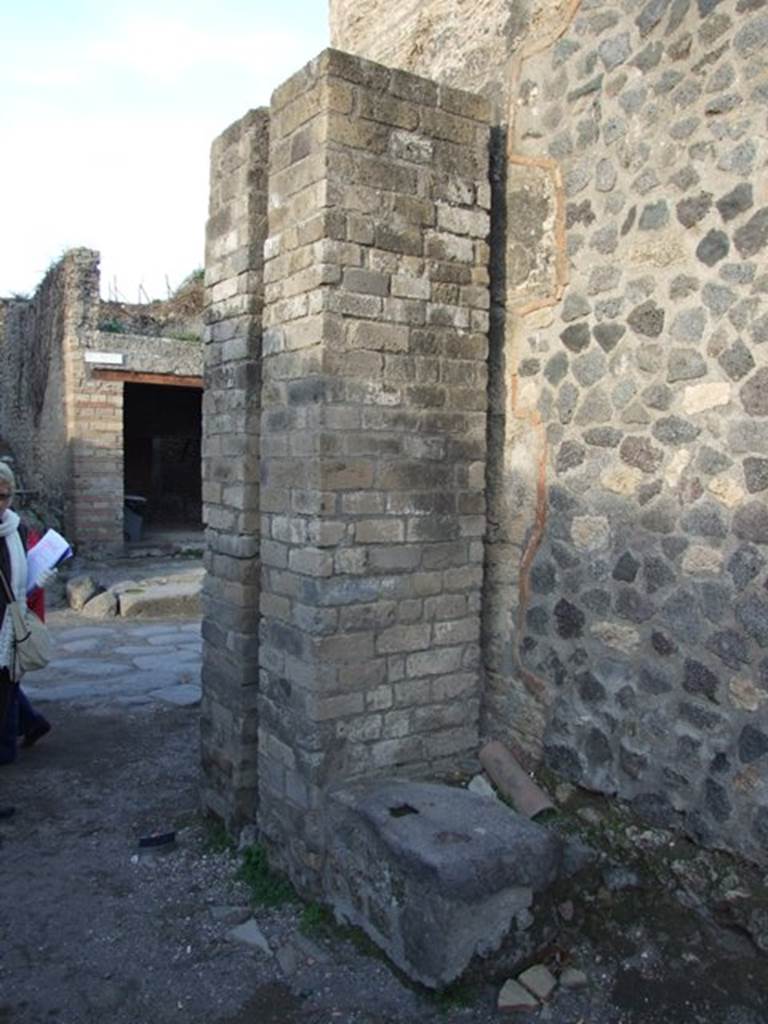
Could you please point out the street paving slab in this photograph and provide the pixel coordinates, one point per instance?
(120, 662)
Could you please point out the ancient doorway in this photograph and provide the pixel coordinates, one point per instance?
(162, 480)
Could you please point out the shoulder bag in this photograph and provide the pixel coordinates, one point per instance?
(31, 644)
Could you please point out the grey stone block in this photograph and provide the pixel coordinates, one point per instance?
(435, 875)
(251, 935)
(102, 606)
(80, 590)
(183, 695)
(161, 601)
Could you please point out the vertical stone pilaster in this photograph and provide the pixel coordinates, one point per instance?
(92, 412)
(234, 290)
(373, 437)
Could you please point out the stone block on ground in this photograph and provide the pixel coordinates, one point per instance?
(515, 997)
(250, 934)
(123, 586)
(102, 606)
(80, 590)
(573, 978)
(539, 981)
(435, 875)
(480, 785)
(162, 601)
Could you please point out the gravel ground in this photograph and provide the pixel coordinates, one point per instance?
(90, 931)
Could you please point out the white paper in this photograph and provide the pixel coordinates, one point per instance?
(51, 549)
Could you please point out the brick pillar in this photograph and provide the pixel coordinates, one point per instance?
(93, 509)
(373, 437)
(231, 407)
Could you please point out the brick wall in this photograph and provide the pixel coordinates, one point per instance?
(231, 408)
(64, 423)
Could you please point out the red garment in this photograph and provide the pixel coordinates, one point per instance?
(36, 597)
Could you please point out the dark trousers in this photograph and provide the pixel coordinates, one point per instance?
(17, 716)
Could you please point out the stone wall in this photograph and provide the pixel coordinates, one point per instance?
(231, 408)
(36, 372)
(142, 354)
(59, 411)
(626, 614)
(469, 45)
(373, 437)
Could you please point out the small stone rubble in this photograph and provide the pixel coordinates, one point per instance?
(167, 595)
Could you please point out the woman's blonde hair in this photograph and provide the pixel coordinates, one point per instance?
(6, 474)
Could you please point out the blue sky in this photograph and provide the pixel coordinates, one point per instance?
(107, 113)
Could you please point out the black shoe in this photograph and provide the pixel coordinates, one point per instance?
(7, 812)
(36, 733)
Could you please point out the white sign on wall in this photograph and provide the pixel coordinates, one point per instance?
(108, 358)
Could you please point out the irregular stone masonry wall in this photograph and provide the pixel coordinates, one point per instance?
(62, 425)
(236, 230)
(18, 385)
(32, 385)
(630, 634)
(373, 437)
(648, 613)
(152, 354)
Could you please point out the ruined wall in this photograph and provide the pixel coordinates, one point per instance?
(627, 620)
(373, 438)
(235, 236)
(63, 420)
(36, 367)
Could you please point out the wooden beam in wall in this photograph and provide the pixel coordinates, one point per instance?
(135, 377)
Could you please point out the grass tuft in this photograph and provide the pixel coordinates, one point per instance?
(217, 839)
(267, 887)
(316, 921)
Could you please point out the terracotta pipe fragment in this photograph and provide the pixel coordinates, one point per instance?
(512, 781)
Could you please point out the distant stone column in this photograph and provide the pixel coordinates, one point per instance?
(231, 408)
(373, 437)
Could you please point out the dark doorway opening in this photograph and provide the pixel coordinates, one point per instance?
(162, 427)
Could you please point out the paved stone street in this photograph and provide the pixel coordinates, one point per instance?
(120, 662)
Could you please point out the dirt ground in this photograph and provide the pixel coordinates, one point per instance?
(91, 932)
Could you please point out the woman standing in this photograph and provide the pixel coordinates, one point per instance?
(17, 716)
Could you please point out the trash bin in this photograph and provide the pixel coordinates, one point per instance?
(134, 510)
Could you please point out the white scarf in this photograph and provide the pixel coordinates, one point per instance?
(9, 530)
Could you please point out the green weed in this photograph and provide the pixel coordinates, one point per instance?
(316, 921)
(197, 276)
(268, 888)
(217, 839)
